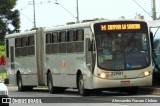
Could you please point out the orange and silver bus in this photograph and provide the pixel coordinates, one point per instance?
(88, 56)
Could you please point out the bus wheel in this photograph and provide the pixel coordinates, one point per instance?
(81, 89)
(50, 84)
(19, 83)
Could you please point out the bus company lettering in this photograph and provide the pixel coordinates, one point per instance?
(120, 27)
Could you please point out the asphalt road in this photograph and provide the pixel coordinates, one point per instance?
(71, 98)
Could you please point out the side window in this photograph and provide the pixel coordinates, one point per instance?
(30, 40)
(17, 47)
(31, 46)
(80, 38)
(24, 41)
(18, 42)
(80, 34)
(48, 43)
(55, 46)
(62, 36)
(55, 37)
(71, 35)
(49, 38)
(24, 48)
(70, 38)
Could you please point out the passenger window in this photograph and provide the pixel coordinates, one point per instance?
(62, 36)
(80, 34)
(18, 42)
(24, 41)
(54, 37)
(30, 40)
(71, 35)
(48, 38)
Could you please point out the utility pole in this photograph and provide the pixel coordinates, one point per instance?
(77, 12)
(34, 14)
(154, 10)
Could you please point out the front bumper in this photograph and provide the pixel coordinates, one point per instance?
(116, 83)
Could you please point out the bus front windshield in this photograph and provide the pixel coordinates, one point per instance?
(122, 51)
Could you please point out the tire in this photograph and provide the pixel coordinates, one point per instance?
(81, 89)
(19, 83)
(51, 87)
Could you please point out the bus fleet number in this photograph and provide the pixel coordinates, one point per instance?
(116, 73)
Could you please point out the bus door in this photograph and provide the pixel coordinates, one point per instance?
(88, 53)
(12, 57)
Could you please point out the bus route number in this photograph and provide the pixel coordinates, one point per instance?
(116, 73)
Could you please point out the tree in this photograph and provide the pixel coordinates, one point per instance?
(9, 19)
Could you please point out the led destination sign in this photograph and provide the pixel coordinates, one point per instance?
(112, 27)
(120, 26)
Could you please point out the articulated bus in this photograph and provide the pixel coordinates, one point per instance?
(89, 56)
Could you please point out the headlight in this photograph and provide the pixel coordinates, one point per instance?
(3, 92)
(103, 75)
(146, 73)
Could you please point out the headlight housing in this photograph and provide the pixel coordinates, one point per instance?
(103, 75)
(147, 73)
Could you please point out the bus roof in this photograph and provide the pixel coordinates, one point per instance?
(20, 34)
(82, 25)
(71, 26)
(65, 27)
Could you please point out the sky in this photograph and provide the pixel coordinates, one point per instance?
(49, 14)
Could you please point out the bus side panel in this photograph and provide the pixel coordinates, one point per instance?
(33, 82)
(62, 69)
(32, 71)
(28, 68)
(71, 69)
(53, 64)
